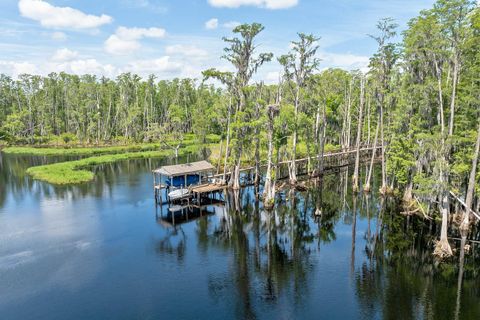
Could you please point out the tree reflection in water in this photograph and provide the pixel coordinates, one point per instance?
(274, 254)
(402, 280)
(273, 263)
(269, 253)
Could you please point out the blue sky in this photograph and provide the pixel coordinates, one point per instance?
(181, 38)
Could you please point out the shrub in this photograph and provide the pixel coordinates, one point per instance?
(68, 138)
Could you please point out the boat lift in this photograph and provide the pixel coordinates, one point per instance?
(185, 181)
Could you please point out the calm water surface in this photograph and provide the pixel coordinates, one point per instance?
(103, 251)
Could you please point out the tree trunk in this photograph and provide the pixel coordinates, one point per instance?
(440, 95)
(383, 189)
(366, 188)
(442, 248)
(236, 172)
(359, 135)
(292, 171)
(349, 117)
(227, 143)
(322, 140)
(465, 225)
(368, 121)
(220, 156)
(454, 93)
(257, 155)
(269, 188)
(257, 161)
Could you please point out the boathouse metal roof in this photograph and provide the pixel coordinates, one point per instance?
(185, 168)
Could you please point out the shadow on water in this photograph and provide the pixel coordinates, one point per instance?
(322, 252)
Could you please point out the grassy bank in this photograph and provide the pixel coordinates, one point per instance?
(66, 150)
(72, 172)
(82, 151)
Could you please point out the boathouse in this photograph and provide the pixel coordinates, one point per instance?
(185, 181)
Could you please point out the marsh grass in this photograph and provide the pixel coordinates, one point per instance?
(188, 141)
(77, 171)
(73, 172)
(82, 151)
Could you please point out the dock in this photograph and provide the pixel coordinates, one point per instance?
(192, 182)
(186, 182)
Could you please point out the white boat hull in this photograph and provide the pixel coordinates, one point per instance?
(177, 194)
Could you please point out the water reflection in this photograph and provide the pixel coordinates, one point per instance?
(277, 254)
(323, 252)
(16, 183)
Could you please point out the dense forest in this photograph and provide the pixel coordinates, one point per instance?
(419, 100)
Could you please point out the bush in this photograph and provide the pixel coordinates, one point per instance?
(68, 138)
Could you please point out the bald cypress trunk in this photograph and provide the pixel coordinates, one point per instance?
(227, 145)
(269, 188)
(359, 135)
(454, 93)
(292, 170)
(383, 189)
(465, 225)
(367, 186)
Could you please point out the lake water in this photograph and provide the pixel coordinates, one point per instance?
(102, 250)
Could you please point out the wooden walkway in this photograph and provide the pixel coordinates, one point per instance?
(331, 161)
(207, 188)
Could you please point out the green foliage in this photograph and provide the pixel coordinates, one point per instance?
(78, 151)
(37, 109)
(189, 141)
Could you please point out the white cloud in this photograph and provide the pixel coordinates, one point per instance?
(186, 50)
(231, 24)
(64, 55)
(83, 66)
(160, 65)
(164, 67)
(15, 69)
(344, 60)
(138, 33)
(78, 67)
(272, 77)
(116, 45)
(126, 40)
(268, 4)
(59, 36)
(89, 66)
(60, 17)
(211, 24)
(146, 4)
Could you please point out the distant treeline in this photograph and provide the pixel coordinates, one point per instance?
(92, 110)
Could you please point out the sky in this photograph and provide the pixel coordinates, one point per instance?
(180, 38)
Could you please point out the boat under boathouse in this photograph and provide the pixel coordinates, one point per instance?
(185, 181)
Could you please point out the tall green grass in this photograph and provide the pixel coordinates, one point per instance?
(72, 172)
(188, 140)
(83, 151)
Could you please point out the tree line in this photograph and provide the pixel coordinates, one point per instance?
(419, 102)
